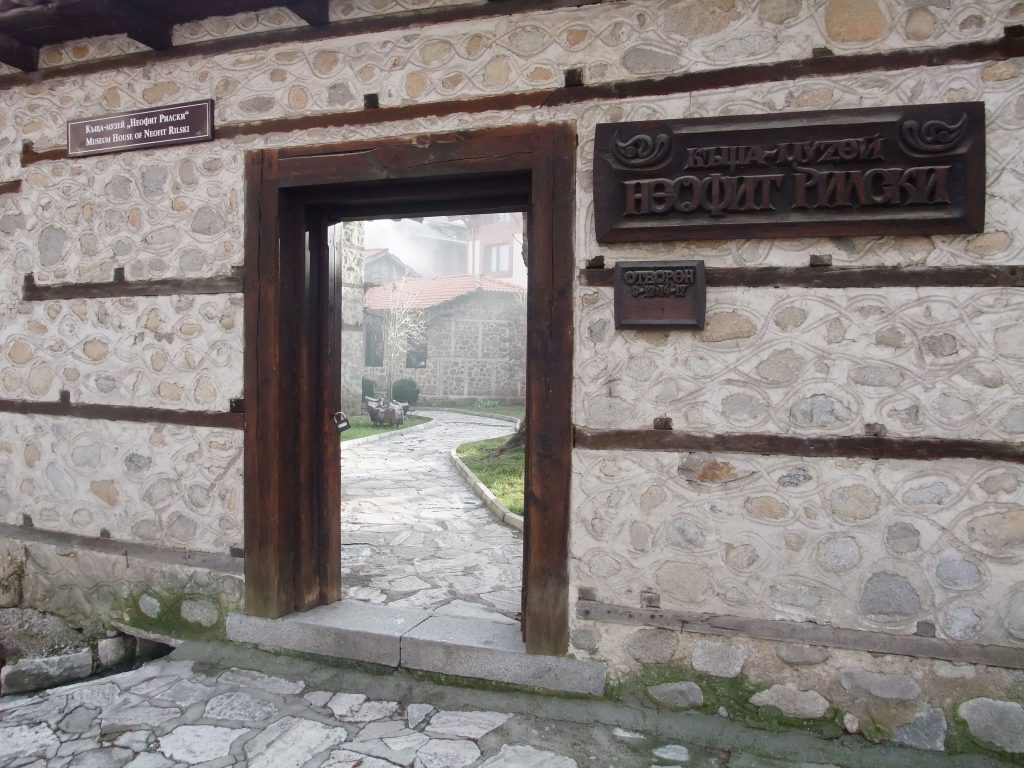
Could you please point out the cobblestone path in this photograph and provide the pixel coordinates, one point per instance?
(414, 536)
(176, 713)
(218, 705)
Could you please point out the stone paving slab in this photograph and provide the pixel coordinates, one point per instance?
(415, 536)
(348, 629)
(219, 706)
(470, 648)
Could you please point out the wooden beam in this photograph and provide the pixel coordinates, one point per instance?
(902, 448)
(10, 187)
(64, 407)
(17, 54)
(32, 291)
(189, 558)
(138, 24)
(803, 632)
(316, 13)
(980, 276)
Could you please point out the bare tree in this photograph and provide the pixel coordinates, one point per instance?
(403, 329)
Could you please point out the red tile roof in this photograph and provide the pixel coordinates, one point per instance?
(427, 292)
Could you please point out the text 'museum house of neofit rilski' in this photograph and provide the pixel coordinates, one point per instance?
(775, 324)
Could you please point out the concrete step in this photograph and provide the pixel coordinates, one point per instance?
(414, 639)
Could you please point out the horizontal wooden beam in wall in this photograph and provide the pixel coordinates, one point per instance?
(999, 276)
(392, 22)
(234, 419)
(10, 187)
(223, 563)
(804, 632)
(1010, 46)
(850, 446)
(118, 287)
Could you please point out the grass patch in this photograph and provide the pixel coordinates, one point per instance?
(363, 427)
(501, 471)
(483, 407)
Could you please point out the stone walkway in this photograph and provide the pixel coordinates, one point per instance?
(414, 536)
(179, 713)
(219, 705)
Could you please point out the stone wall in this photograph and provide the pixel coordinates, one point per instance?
(476, 348)
(888, 547)
(347, 238)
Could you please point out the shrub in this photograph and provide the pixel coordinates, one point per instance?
(369, 387)
(405, 391)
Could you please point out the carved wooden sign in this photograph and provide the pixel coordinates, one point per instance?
(659, 294)
(162, 126)
(893, 170)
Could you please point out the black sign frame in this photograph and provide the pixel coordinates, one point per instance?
(185, 123)
(906, 170)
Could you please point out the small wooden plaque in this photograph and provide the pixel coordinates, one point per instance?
(184, 123)
(659, 294)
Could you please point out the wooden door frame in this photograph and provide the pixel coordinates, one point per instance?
(292, 544)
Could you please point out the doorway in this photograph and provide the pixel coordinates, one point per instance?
(433, 375)
(293, 298)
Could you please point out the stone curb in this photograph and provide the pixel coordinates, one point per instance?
(488, 499)
(495, 416)
(387, 435)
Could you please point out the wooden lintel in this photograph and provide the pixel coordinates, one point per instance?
(64, 407)
(141, 26)
(852, 446)
(316, 13)
(17, 54)
(803, 632)
(980, 276)
(33, 291)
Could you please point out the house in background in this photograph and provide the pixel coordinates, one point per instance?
(488, 244)
(474, 344)
(429, 247)
(380, 265)
(494, 246)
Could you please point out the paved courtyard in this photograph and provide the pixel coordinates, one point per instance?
(180, 712)
(218, 705)
(414, 536)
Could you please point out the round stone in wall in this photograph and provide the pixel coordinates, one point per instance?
(957, 572)
(854, 503)
(149, 605)
(683, 582)
(653, 646)
(889, 596)
(838, 554)
(995, 723)
(721, 659)
(902, 538)
(820, 412)
(962, 622)
(1014, 617)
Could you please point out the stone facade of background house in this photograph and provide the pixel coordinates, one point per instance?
(886, 546)
(476, 349)
(347, 237)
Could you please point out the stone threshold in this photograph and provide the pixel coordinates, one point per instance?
(500, 512)
(417, 640)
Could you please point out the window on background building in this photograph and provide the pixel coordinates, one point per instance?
(416, 357)
(373, 344)
(497, 259)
